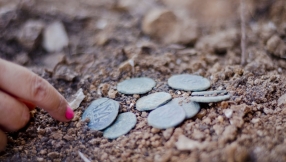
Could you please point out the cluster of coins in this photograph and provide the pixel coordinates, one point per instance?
(167, 112)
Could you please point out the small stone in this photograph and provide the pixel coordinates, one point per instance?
(228, 113)
(218, 129)
(185, 143)
(64, 72)
(8, 13)
(189, 82)
(197, 134)
(166, 26)
(22, 59)
(104, 88)
(276, 46)
(167, 116)
(202, 99)
(122, 125)
(136, 85)
(153, 101)
(102, 38)
(40, 159)
(127, 66)
(144, 114)
(78, 98)
(220, 118)
(55, 37)
(112, 93)
(160, 23)
(53, 155)
(52, 60)
(168, 133)
(155, 130)
(29, 34)
(136, 96)
(43, 152)
(101, 112)
(191, 108)
(282, 100)
(219, 42)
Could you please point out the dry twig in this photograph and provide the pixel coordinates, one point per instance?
(243, 35)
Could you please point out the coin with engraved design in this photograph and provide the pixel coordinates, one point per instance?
(101, 112)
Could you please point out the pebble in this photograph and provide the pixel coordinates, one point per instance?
(204, 99)
(55, 37)
(191, 108)
(276, 46)
(185, 143)
(101, 112)
(153, 101)
(136, 85)
(189, 82)
(30, 33)
(77, 99)
(122, 125)
(167, 116)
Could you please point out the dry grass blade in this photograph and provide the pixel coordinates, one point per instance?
(243, 34)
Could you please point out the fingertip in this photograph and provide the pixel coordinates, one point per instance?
(63, 112)
(69, 113)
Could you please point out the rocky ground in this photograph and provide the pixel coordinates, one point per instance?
(104, 42)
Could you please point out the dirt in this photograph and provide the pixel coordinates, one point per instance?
(107, 45)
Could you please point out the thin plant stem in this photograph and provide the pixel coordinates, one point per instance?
(243, 35)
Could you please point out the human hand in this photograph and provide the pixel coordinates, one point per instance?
(20, 90)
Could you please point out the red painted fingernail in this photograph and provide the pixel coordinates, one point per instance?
(69, 113)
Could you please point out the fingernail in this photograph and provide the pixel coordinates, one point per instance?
(69, 113)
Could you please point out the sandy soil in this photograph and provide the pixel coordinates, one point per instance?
(162, 38)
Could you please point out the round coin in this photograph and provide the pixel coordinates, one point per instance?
(210, 99)
(191, 108)
(101, 112)
(122, 125)
(189, 82)
(152, 101)
(136, 85)
(167, 116)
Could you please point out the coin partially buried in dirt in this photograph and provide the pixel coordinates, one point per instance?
(189, 82)
(122, 125)
(101, 112)
(152, 101)
(136, 85)
(191, 108)
(167, 116)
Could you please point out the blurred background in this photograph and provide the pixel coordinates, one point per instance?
(94, 44)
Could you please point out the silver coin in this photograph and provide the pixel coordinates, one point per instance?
(122, 125)
(204, 99)
(202, 93)
(189, 82)
(167, 116)
(152, 101)
(101, 112)
(191, 108)
(136, 85)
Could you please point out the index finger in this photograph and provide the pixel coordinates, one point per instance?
(28, 86)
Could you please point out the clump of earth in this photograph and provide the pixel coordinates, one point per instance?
(95, 45)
